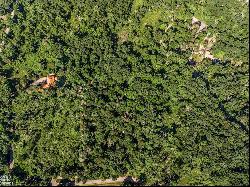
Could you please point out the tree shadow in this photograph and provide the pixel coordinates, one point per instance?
(66, 182)
(129, 181)
(61, 82)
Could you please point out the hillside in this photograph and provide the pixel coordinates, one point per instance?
(154, 89)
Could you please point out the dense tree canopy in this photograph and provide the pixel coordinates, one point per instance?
(133, 96)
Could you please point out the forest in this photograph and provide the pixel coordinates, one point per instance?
(98, 89)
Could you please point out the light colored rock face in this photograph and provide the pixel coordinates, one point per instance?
(202, 25)
(3, 18)
(5, 180)
(7, 30)
(56, 181)
(119, 179)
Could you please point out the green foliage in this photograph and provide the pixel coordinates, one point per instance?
(5, 92)
(127, 101)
